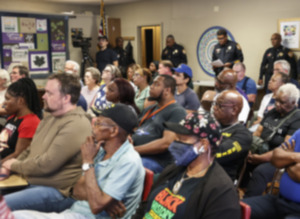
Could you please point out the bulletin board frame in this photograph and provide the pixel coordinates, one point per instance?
(24, 36)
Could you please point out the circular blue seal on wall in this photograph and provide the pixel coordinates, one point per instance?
(205, 48)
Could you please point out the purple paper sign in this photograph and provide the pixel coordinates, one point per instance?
(58, 46)
(6, 52)
(12, 38)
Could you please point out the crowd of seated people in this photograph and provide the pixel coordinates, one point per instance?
(79, 167)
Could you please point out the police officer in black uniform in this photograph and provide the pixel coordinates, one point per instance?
(174, 52)
(273, 54)
(227, 51)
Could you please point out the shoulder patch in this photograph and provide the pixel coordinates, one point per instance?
(238, 47)
(183, 51)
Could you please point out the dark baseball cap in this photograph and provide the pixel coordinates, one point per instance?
(123, 115)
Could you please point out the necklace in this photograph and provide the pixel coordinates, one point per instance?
(178, 184)
(234, 124)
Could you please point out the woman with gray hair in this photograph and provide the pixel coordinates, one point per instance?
(99, 103)
(91, 80)
(4, 83)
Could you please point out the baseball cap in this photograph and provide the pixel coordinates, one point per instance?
(123, 115)
(200, 124)
(183, 68)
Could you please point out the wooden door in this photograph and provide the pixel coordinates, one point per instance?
(114, 30)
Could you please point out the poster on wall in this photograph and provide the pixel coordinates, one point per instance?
(38, 62)
(9, 24)
(41, 25)
(290, 32)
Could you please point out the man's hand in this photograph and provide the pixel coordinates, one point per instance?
(89, 149)
(7, 164)
(116, 209)
(260, 82)
(228, 65)
(287, 146)
(4, 173)
(254, 158)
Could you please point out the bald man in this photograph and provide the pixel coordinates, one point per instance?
(227, 80)
(236, 139)
(276, 52)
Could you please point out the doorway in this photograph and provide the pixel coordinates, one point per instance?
(150, 44)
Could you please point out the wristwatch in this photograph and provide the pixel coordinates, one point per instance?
(87, 166)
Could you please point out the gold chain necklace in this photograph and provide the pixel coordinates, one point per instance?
(178, 184)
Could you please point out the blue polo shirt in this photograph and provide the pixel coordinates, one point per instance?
(121, 177)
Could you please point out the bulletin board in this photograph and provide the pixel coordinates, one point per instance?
(39, 42)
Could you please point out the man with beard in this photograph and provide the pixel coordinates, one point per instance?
(52, 162)
(151, 138)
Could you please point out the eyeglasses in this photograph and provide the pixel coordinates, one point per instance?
(222, 105)
(136, 74)
(96, 123)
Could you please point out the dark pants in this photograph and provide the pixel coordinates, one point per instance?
(261, 175)
(270, 206)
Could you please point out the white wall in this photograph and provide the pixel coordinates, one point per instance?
(251, 23)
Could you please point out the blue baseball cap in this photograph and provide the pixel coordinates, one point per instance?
(183, 68)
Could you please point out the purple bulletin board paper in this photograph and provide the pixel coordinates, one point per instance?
(12, 38)
(58, 46)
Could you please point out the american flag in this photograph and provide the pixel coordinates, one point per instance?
(102, 27)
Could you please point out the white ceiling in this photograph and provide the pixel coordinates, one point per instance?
(92, 2)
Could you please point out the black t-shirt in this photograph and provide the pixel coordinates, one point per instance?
(163, 203)
(233, 149)
(107, 56)
(153, 129)
(272, 119)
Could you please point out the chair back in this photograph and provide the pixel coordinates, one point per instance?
(147, 184)
(245, 210)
